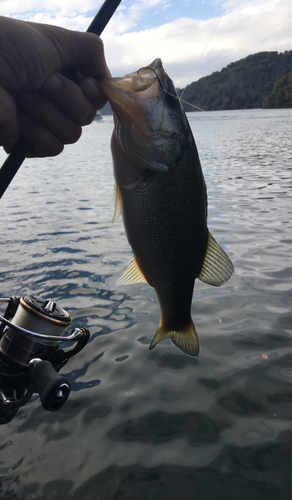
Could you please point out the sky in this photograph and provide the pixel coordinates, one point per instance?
(193, 38)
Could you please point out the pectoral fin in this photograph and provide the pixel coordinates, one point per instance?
(132, 274)
(185, 339)
(217, 267)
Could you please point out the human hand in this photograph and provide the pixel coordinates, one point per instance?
(36, 100)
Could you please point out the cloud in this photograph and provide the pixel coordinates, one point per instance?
(13, 7)
(248, 28)
(189, 47)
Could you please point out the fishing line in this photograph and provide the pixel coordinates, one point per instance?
(26, 317)
(207, 45)
(181, 100)
(166, 91)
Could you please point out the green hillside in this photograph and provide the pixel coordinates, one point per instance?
(259, 80)
(281, 97)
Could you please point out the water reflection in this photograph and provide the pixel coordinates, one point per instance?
(159, 427)
(240, 403)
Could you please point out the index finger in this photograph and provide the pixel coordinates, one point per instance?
(82, 51)
(69, 98)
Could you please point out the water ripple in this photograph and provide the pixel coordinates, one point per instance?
(149, 425)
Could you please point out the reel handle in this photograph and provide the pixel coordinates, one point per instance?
(52, 387)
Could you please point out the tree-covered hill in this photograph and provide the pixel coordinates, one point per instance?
(259, 80)
(281, 97)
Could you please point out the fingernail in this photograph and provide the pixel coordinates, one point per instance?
(90, 89)
(52, 83)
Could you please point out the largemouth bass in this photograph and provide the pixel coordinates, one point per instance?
(161, 193)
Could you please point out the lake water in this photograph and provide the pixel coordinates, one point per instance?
(142, 425)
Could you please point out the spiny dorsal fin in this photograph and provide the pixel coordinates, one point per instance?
(132, 274)
(185, 339)
(217, 267)
(118, 202)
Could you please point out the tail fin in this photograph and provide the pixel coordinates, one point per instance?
(186, 338)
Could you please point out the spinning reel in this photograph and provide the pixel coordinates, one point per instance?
(30, 360)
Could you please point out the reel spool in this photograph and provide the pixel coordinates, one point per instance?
(38, 316)
(31, 332)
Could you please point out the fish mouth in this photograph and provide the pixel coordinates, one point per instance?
(146, 76)
(134, 88)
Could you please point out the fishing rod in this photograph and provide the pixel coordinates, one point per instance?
(21, 148)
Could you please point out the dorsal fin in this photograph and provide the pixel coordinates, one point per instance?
(118, 202)
(132, 274)
(217, 267)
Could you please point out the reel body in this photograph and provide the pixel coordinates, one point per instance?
(31, 332)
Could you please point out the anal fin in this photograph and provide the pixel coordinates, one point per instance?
(217, 267)
(132, 274)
